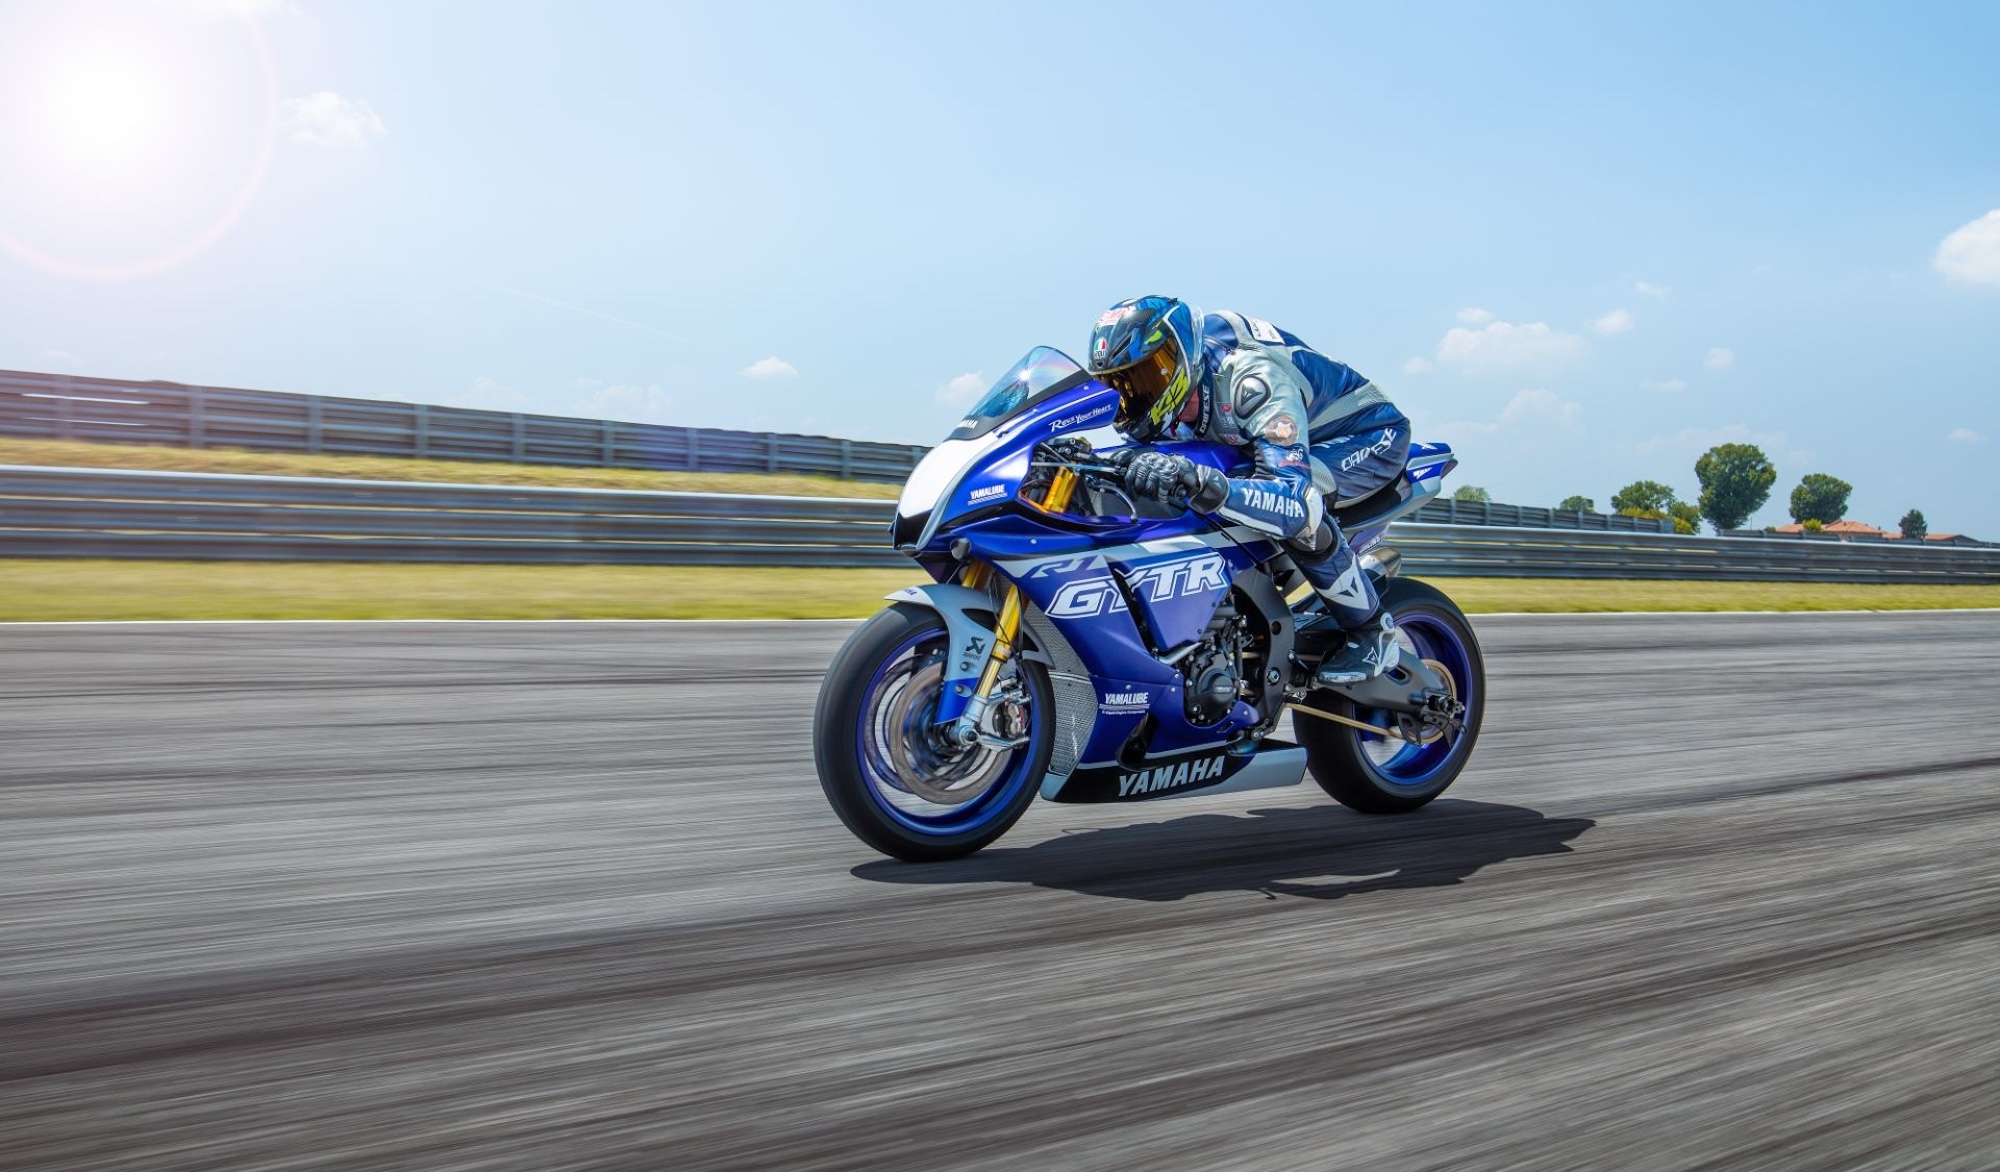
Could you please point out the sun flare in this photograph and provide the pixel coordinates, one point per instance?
(133, 134)
(110, 108)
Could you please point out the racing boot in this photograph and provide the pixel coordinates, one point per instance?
(1367, 651)
(1350, 611)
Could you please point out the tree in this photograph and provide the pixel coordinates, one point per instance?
(1735, 480)
(1687, 518)
(1914, 526)
(1643, 496)
(1813, 525)
(1578, 504)
(1821, 498)
(1474, 493)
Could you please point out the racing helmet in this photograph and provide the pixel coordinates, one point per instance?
(1145, 348)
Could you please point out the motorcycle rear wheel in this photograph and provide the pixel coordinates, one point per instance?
(895, 786)
(1381, 775)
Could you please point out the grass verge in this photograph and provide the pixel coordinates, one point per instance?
(70, 454)
(64, 589)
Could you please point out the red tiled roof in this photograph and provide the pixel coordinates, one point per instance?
(1860, 529)
(1838, 527)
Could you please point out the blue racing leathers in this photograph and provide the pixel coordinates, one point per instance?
(1320, 435)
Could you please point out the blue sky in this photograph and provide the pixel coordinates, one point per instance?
(1580, 244)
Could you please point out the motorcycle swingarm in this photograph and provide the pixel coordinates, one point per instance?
(1403, 688)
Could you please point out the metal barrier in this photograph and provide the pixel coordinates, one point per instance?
(70, 512)
(1454, 512)
(103, 410)
(54, 512)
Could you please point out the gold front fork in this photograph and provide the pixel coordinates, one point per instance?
(1008, 631)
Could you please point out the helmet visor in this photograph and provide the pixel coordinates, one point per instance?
(1151, 391)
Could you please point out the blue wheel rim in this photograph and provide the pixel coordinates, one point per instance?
(1397, 762)
(895, 709)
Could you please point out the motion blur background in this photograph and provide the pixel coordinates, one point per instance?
(1715, 891)
(1582, 246)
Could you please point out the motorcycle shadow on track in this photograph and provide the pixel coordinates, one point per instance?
(1313, 852)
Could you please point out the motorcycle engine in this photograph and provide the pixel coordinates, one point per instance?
(1214, 668)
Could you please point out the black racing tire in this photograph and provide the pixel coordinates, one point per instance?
(1335, 753)
(837, 750)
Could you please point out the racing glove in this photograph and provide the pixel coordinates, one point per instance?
(1174, 479)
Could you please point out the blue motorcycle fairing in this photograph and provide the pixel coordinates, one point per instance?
(1097, 595)
(996, 464)
(1122, 590)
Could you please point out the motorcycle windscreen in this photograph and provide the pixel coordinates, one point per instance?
(1040, 374)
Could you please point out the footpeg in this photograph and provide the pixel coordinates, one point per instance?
(1366, 654)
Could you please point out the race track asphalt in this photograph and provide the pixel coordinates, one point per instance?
(1716, 892)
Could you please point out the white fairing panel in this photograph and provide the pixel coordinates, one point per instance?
(938, 471)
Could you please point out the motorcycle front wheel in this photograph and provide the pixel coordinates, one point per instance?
(1388, 775)
(893, 781)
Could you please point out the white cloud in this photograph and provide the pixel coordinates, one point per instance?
(1965, 435)
(1616, 322)
(1535, 406)
(1535, 431)
(488, 395)
(1719, 358)
(1418, 365)
(1664, 384)
(61, 358)
(327, 119)
(1531, 407)
(1516, 445)
(629, 402)
(1648, 289)
(1693, 441)
(1504, 346)
(772, 367)
(962, 391)
(1972, 254)
(1475, 316)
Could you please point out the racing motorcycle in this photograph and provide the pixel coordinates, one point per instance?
(1084, 645)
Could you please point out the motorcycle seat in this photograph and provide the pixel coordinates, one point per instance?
(1376, 505)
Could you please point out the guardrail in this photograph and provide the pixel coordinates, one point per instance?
(70, 512)
(66, 512)
(1455, 512)
(103, 410)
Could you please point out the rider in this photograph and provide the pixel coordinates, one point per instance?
(1321, 435)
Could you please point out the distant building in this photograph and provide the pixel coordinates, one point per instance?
(1842, 530)
(1853, 530)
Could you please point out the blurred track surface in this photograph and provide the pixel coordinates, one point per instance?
(1717, 891)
